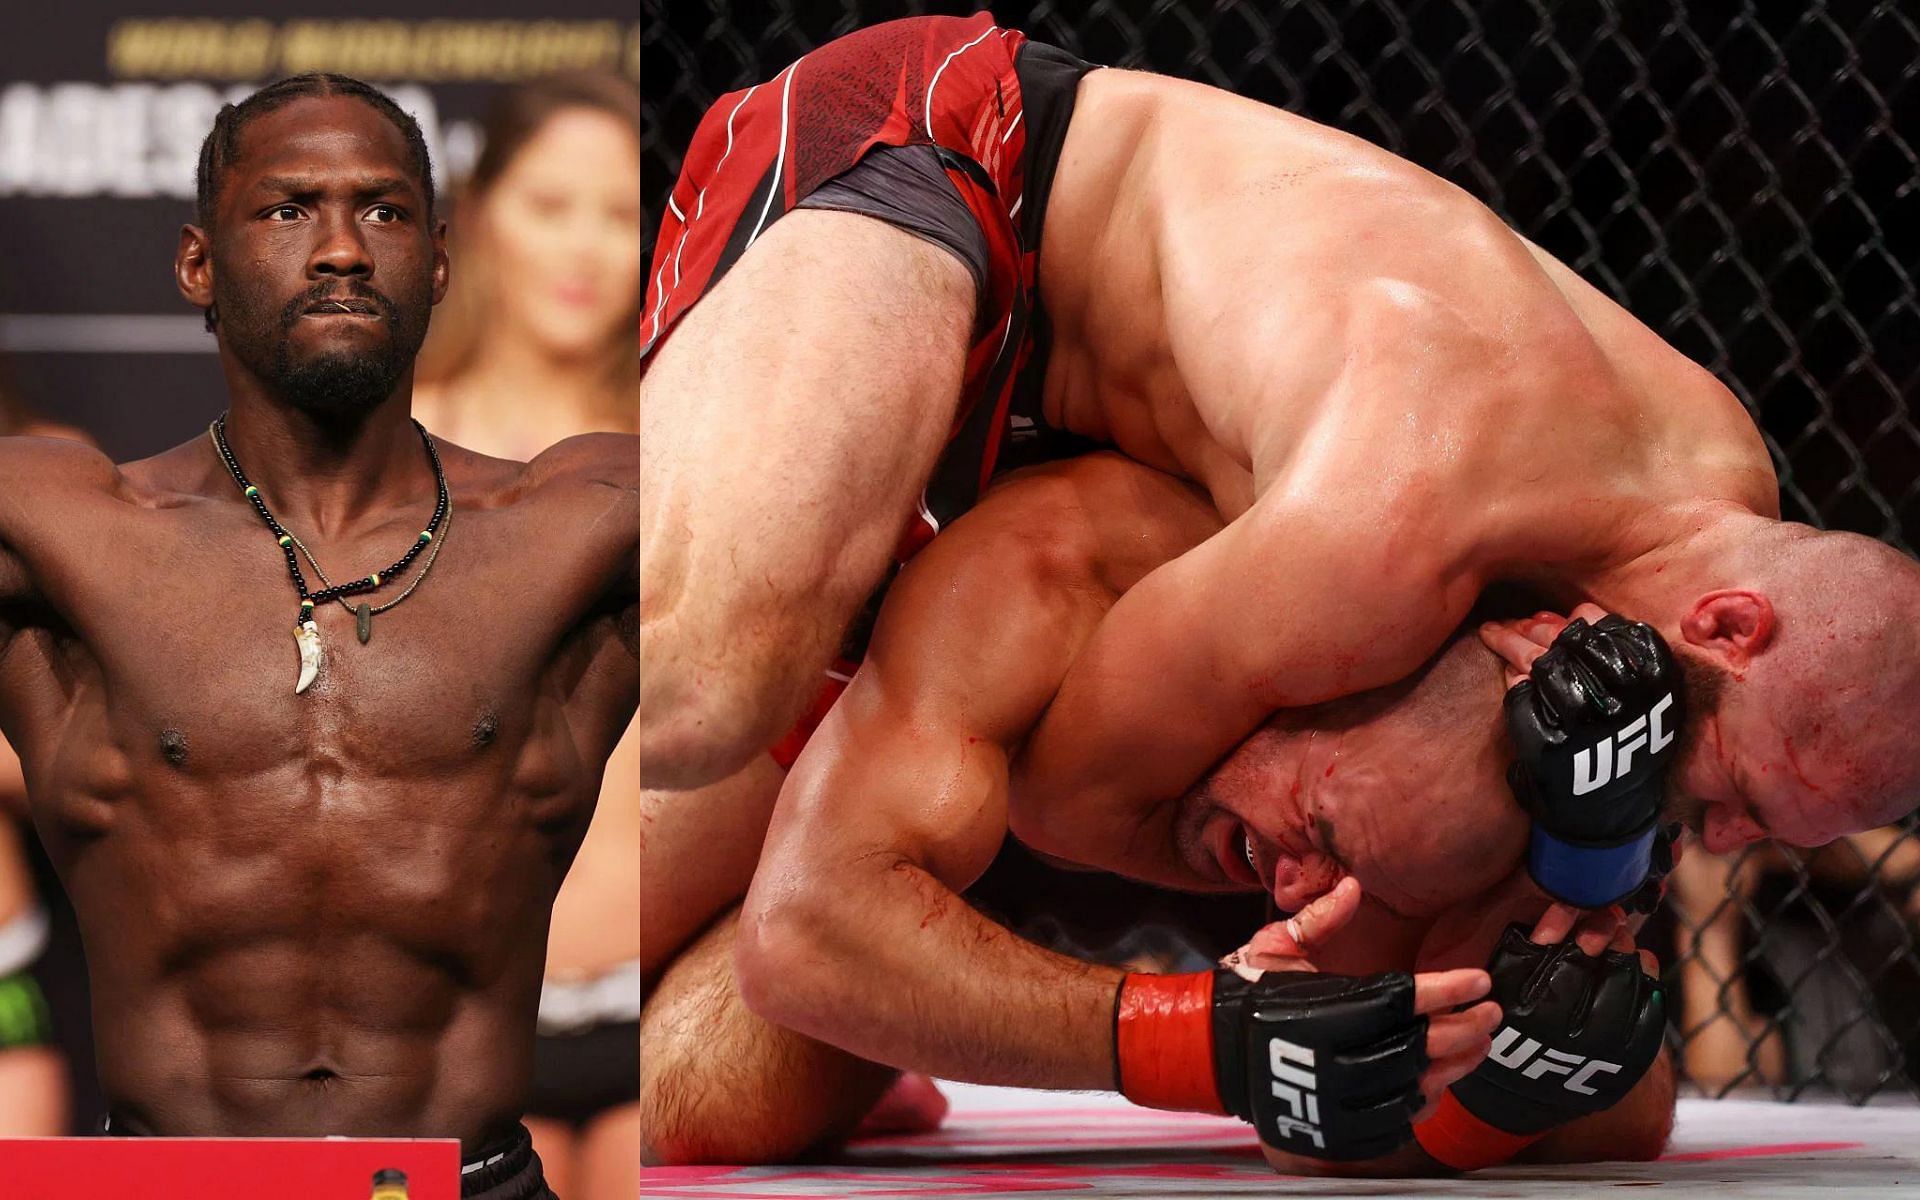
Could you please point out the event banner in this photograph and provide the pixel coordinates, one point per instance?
(103, 105)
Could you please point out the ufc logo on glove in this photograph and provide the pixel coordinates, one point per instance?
(1593, 727)
(1595, 766)
(1578, 1070)
(1294, 1082)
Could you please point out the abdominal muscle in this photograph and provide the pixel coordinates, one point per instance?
(365, 1038)
(276, 955)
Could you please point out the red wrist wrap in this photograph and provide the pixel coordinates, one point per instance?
(1458, 1139)
(1163, 1038)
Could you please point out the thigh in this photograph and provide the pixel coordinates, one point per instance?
(803, 399)
(720, 1085)
(556, 1145)
(608, 1160)
(788, 425)
(698, 851)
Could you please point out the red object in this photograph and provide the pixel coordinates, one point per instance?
(787, 750)
(1164, 1038)
(197, 1168)
(1455, 1137)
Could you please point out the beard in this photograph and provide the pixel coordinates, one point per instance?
(327, 384)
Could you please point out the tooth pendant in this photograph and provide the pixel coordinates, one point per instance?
(306, 635)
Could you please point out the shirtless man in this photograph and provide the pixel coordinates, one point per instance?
(315, 887)
(853, 932)
(1391, 398)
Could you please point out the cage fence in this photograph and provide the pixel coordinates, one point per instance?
(1741, 176)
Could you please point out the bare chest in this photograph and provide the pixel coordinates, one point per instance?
(173, 669)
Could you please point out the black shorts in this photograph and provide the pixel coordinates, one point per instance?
(506, 1170)
(509, 1171)
(578, 1076)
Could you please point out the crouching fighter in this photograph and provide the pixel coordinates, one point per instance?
(900, 800)
(1391, 399)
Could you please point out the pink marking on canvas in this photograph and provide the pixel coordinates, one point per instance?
(1759, 1151)
(986, 1141)
(1088, 1113)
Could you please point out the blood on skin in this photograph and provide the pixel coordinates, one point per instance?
(1793, 764)
(937, 906)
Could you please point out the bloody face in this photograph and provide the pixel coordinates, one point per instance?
(1403, 788)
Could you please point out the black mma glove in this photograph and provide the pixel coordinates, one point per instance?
(1324, 1066)
(1594, 728)
(1576, 1034)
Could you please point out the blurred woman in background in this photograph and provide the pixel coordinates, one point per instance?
(33, 1076)
(537, 338)
(535, 342)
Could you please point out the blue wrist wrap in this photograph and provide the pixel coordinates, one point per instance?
(1590, 876)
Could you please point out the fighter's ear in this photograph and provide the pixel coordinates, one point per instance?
(193, 266)
(1734, 624)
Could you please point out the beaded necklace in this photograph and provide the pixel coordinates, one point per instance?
(306, 634)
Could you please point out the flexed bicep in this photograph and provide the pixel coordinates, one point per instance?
(1292, 604)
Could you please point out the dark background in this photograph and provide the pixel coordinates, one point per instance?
(1741, 177)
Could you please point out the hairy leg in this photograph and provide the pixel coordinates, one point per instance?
(787, 426)
(697, 855)
(719, 1085)
(608, 1161)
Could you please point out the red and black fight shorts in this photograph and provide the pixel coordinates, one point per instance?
(994, 104)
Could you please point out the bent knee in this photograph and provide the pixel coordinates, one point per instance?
(704, 716)
(684, 750)
(688, 1118)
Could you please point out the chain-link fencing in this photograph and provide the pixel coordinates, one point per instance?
(1742, 177)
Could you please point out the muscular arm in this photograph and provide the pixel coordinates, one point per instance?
(1297, 602)
(41, 480)
(602, 470)
(854, 931)
(14, 584)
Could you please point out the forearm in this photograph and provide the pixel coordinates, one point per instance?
(13, 784)
(1208, 646)
(901, 970)
(16, 882)
(1635, 1130)
(33, 1093)
(1104, 752)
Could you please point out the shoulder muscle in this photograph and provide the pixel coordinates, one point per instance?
(608, 459)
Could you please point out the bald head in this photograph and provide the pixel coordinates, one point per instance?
(1814, 647)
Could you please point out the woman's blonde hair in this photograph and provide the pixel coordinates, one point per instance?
(517, 115)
